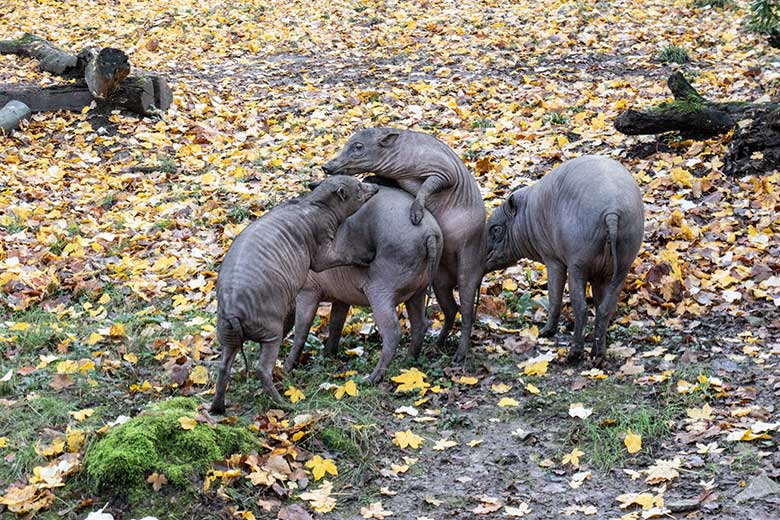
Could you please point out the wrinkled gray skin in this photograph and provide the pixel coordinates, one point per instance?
(266, 266)
(405, 258)
(584, 219)
(428, 169)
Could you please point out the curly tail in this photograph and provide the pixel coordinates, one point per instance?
(611, 221)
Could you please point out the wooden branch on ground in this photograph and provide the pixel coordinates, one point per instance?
(50, 58)
(139, 94)
(690, 114)
(11, 114)
(103, 74)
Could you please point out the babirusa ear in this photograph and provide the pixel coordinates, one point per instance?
(342, 193)
(515, 202)
(389, 139)
(313, 185)
(510, 205)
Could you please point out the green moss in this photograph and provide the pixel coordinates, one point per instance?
(686, 106)
(155, 442)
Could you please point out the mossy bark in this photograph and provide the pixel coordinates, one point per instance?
(50, 58)
(690, 114)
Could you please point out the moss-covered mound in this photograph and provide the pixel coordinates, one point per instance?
(155, 442)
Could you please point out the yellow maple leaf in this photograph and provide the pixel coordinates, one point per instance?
(82, 414)
(320, 466)
(55, 448)
(294, 394)
(646, 500)
(573, 458)
(536, 369)
(348, 388)
(93, 338)
(467, 380)
(633, 442)
(117, 330)
(68, 366)
(130, 358)
(532, 389)
(199, 376)
(407, 439)
(75, 439)
(409, 380)
(500, 388)
(682, 176)
(19, 326)
(507, 402)
(187, 423)
(104, 299)
(3, 442)
(509, 285)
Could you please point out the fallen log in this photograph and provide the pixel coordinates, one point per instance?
(690, 113)
(50, 58)
(12, 113)
(102, 76)
(139, 94)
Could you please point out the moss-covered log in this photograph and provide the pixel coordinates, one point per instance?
(690, 113)
(50, 58)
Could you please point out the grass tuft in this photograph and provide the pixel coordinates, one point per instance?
(673, 54)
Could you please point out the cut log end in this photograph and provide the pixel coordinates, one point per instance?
(12, 114)
(105, 70)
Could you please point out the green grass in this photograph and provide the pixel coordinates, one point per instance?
(746, 461)
(555, 118)
(673, 54)
(617, 408)
(483, 123)
(239, 213)
(13, 225)
(22, 423)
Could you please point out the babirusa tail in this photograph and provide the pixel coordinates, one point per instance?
(611, 221)
(432, 250)
(235, 324)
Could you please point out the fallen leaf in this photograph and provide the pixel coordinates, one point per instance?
(407, 439)
(633, 442)
(187, 423)
(157, 480)
(319, 467)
